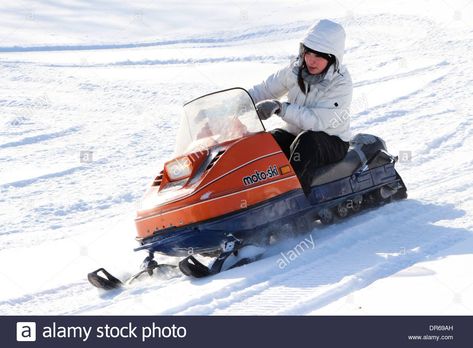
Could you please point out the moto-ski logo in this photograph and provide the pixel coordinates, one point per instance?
(258, 176)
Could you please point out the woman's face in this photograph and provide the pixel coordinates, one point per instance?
(315, 64)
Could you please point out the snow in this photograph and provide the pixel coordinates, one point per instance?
(108, 79)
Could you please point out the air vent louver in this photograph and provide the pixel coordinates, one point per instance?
(211, 164)
(159, 178)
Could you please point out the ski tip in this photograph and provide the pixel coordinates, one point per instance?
(108, 282)
(191, 267)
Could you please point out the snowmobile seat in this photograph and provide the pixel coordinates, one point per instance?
(364, 148)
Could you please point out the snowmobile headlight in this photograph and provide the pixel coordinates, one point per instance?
(179, 168)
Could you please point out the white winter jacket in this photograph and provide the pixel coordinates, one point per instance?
(326, 106)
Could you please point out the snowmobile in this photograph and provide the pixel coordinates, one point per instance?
(229, 190)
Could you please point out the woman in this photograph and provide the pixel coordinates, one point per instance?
(319, 93)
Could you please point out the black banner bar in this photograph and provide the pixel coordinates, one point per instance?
(223, 332)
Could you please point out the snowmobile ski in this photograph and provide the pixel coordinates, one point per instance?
(109, 282)
(232, 256)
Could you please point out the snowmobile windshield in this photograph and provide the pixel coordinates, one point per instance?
(216, 118)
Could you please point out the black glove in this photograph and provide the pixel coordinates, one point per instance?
(268, 107)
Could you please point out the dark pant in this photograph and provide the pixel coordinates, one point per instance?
(310, 150)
